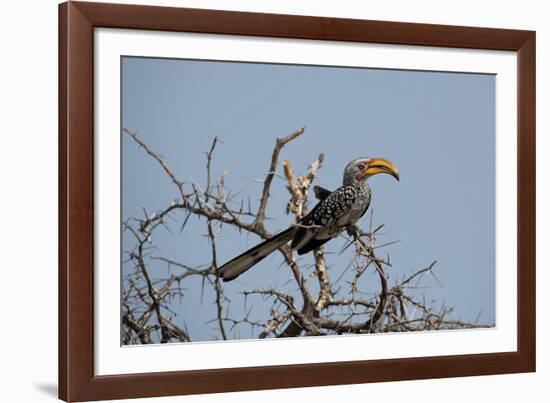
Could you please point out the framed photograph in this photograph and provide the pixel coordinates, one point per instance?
(255, 201)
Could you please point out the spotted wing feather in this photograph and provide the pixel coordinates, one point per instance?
(326, 213)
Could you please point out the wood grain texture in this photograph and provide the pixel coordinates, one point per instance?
(63, 320)
(527, 200)
(76, 205)
(292, 26)
(76, 214)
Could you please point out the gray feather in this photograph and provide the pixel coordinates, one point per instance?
(246, 260)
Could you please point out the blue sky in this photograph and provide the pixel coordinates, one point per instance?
(438, 128)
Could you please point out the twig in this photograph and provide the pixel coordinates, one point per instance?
(279, 144)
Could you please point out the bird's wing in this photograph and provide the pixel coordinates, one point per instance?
(246, 260)
(312, 244)
(320, 192)
(325, 213)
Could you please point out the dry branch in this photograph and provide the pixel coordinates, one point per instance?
(292, 309)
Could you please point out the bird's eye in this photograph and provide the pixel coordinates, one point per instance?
(361, 166)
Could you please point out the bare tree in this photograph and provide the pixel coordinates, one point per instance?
(313, 304)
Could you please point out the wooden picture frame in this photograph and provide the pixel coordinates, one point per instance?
(77, 21)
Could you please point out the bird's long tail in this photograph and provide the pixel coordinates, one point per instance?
(235, 267)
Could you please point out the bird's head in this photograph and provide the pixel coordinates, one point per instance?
(360, 169)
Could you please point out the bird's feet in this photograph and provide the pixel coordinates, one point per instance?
(353, 231)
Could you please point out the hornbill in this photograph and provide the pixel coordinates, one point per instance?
(335, 212)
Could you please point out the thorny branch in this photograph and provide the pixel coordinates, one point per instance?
(348, 303)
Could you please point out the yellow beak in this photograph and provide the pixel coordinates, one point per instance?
(380, 166)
